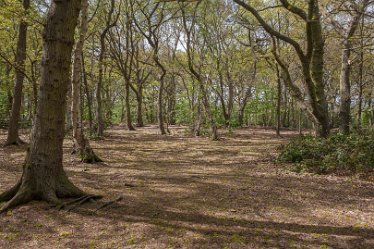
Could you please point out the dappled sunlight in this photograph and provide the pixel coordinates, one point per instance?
(181, 191)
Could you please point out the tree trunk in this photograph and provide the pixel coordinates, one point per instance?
(81, 143)
(172, 100)
(13, 136)
(128, 107)
(139, 112)
(161, 106)
(99, 110)
(198, 120)
(279, 101)
(345, 84)
(99, 86)
(209, 112)
(43, 175)
(345, 91)
(160, 102)
(360, 74)
(89, 97)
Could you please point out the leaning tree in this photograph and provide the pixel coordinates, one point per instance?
(43, 175)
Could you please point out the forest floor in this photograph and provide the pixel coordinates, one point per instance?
(185, 192)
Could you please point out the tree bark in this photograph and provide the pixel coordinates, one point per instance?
(88, 96)
(279, 101)
(43, 175)
(13, 136)
(345, 84)
(128, 106)
(81, 143)
(312, 61)
(139, 112)
(160, 103)
(99, 86)
(345, 90)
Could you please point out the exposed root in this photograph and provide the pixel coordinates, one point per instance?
(28, 189)
(88, 156)
(77, 202)
(108, 203)
(131, 128)
(17, 142)
(23, 196)
(9, 194)
(51, 198)
(66, 189)
(83, 149)
(130, 185)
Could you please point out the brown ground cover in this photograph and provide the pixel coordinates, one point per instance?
(185, 192)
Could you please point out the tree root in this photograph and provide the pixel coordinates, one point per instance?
(130, 185)
(24, 191)
(71, 205)
(21, 197)
(87, 155)
(9, 194)
(18, 142)
(90, 157)
(106, 204)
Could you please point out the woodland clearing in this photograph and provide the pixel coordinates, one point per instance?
(181, 191)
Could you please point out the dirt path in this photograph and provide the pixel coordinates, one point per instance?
(193, 193)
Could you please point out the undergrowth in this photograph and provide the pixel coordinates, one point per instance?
(339, 153)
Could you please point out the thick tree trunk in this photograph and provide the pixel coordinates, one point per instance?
(81, 143)
(316, 71)
(13, 136)
(43, 175)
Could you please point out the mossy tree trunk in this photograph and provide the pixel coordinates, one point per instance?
(43, 175)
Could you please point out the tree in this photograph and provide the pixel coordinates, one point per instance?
(81, 143)
(43, 175)
(153, 18)
(13, 136)
(109, 23)
(195, 66)
(123, 55)
(345, 84)
(311, 60)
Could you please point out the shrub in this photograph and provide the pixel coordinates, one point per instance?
(337, 154)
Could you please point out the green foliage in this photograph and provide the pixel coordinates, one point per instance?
(336, 154)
